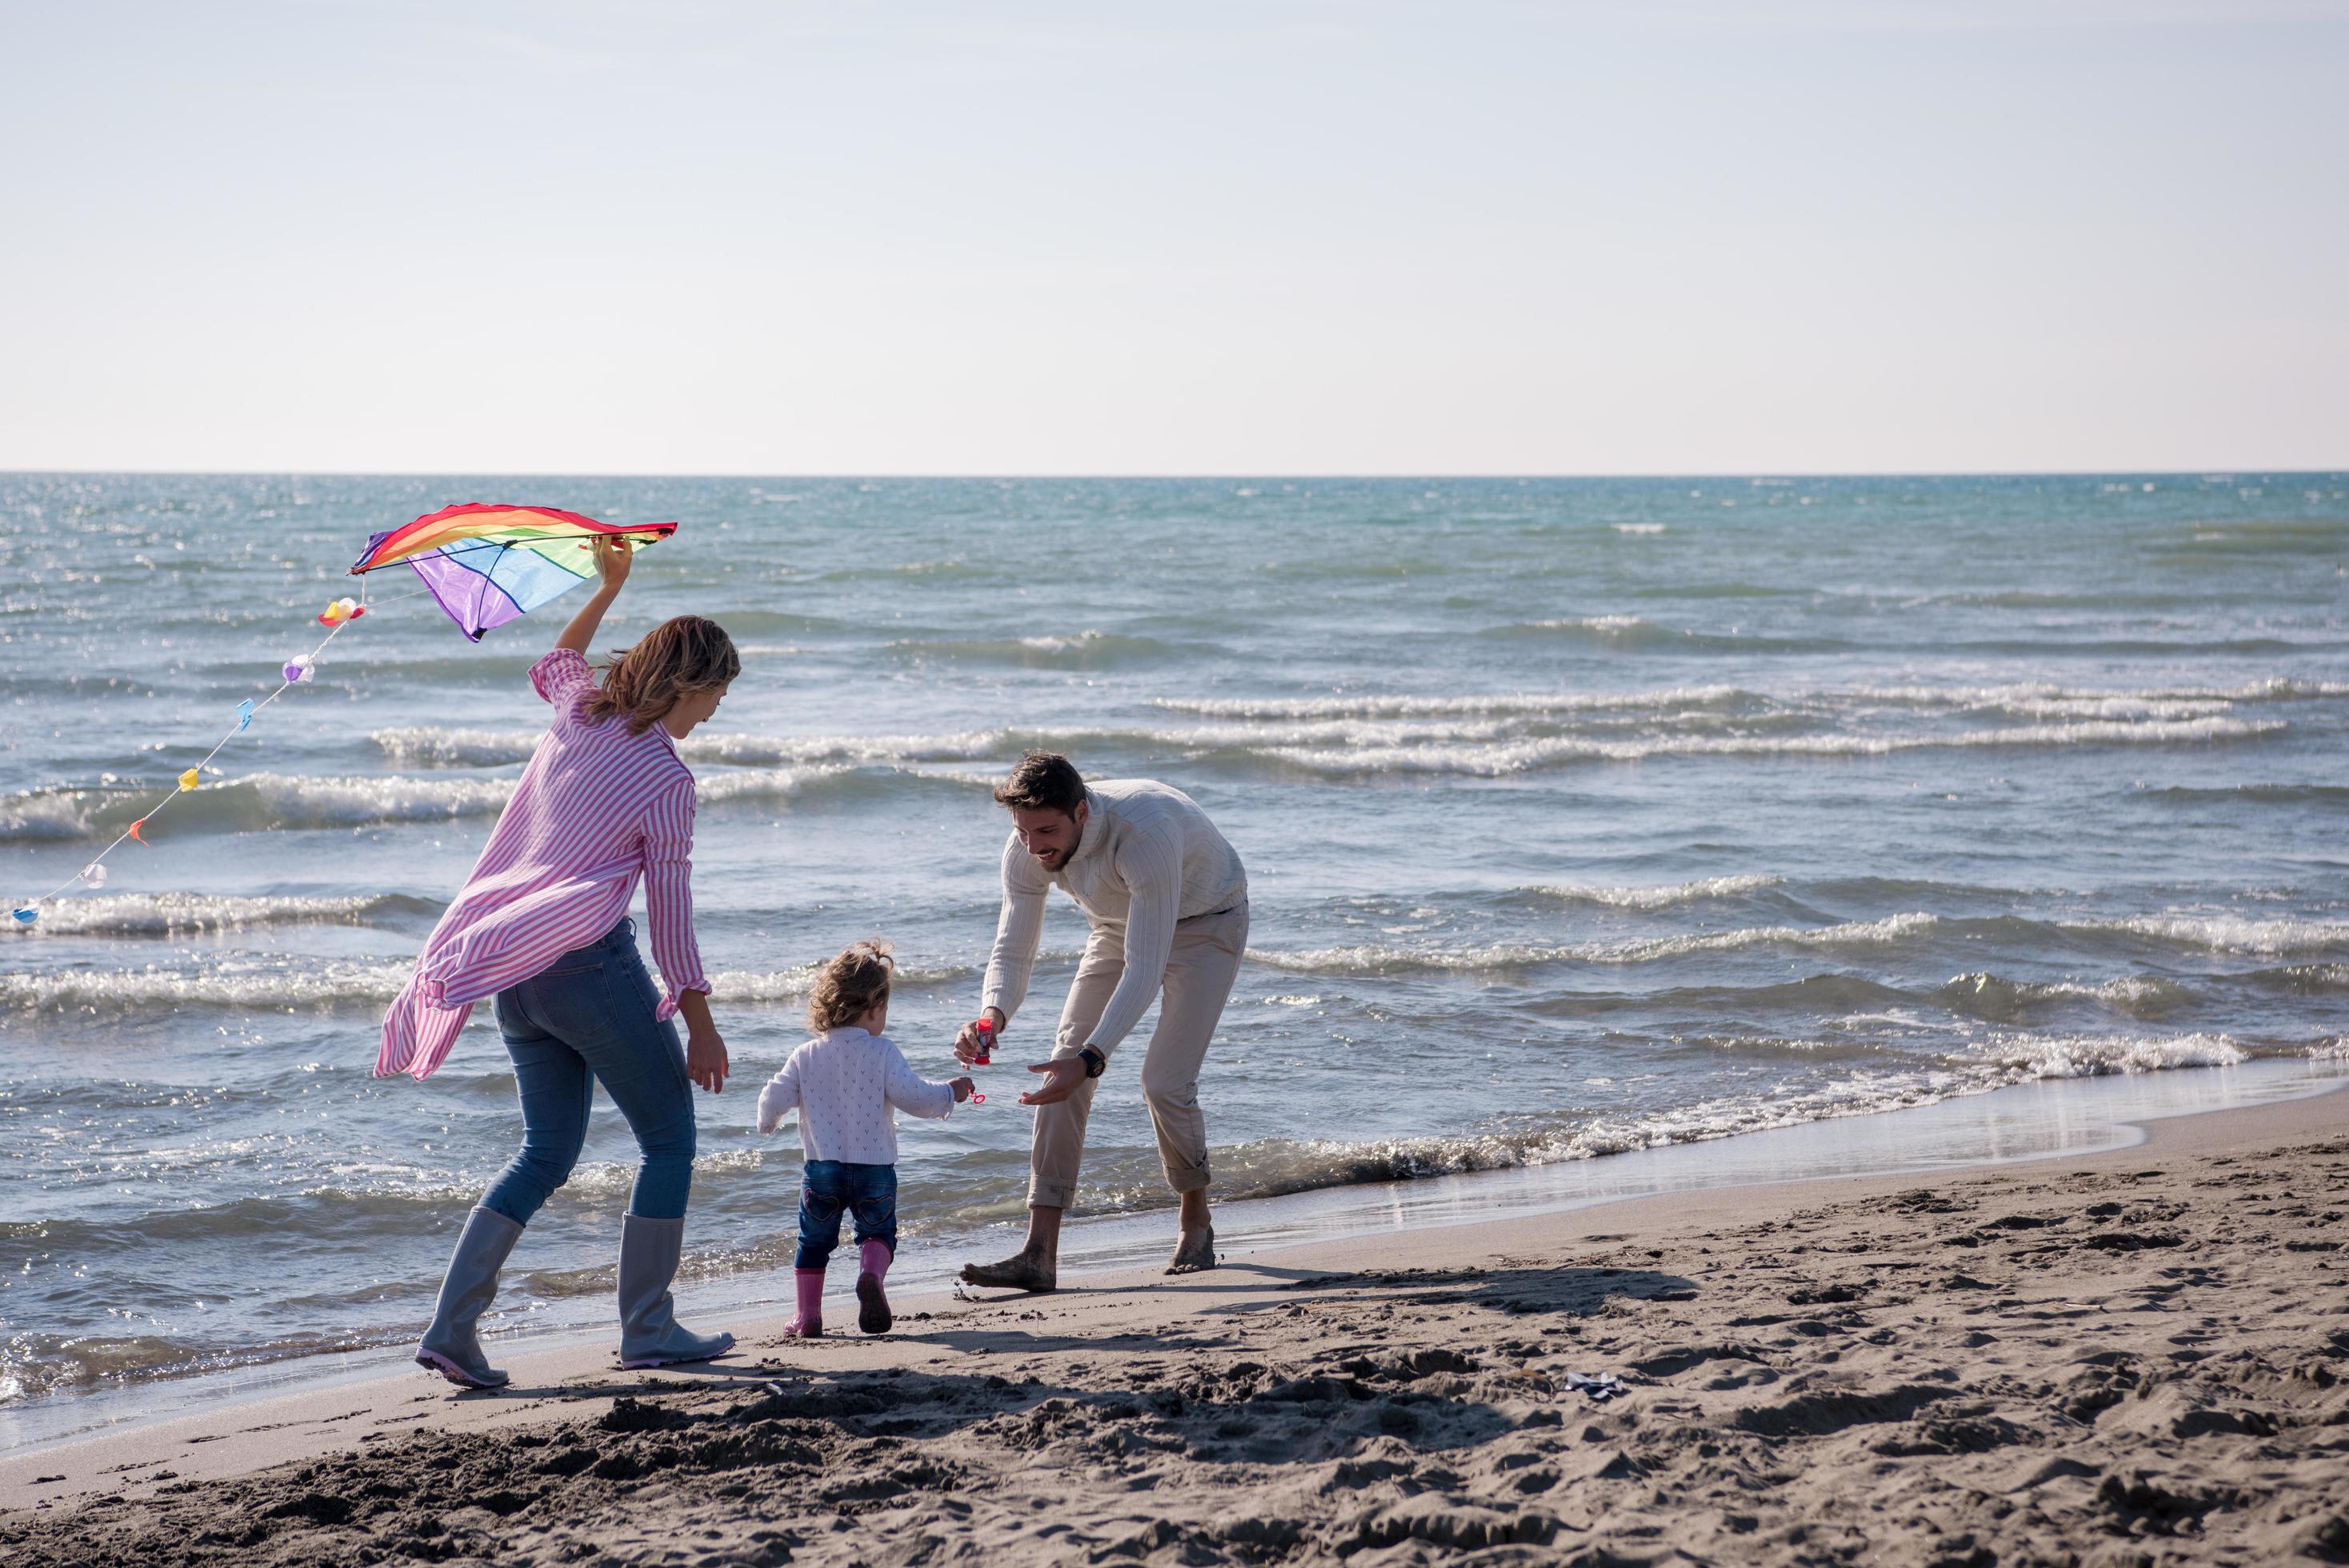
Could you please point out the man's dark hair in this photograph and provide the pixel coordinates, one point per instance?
(1044, 782)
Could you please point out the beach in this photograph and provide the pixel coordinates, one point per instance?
(2138, 1356)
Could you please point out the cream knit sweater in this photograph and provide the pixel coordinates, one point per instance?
(1149, 858)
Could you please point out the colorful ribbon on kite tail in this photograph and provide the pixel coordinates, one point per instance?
(296, 670)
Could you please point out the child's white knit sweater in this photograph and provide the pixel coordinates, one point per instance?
(844, 1085)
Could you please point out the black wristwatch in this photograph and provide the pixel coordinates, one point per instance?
(1094, 1061)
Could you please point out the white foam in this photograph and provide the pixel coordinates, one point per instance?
(2229, 932)
(1521, 756)
(261, 800)
(253, 986)
(2027, 699)
(1857, 933)
(1278, 1166)
(1520, 702)
(183, 913)
(791, 984)
(1661, 897)
(1991, 995)
(431, 745)
(304, 800)
(1591, 623)
(1063, 644)
(762, 783)
(738, 749)
(1371, 958)
(2023, 1057)
(50, 813)
(1640, 528)
(2276, 688)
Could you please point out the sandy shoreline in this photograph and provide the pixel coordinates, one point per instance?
(2129, 1357)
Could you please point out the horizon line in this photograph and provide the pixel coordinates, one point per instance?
(2204, 470)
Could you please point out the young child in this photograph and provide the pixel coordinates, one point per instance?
(843, 1083)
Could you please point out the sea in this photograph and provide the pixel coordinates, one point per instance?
(1582, 817)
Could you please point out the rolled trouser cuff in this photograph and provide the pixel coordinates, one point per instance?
(1050, 1194)
(1192, 1180)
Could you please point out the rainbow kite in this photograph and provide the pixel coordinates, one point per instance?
(488, 564)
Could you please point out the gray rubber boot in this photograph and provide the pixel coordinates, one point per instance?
(450, 1347)
(650, 1334)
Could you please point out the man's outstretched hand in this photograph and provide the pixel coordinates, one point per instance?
(1061, 1077)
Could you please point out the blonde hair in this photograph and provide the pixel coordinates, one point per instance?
(683, 655)
(850, 985)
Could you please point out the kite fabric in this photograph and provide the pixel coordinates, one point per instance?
(487, 563)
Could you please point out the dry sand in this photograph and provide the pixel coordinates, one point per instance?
(2138, 1357)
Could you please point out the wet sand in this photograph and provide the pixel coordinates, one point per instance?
(2134, 1356)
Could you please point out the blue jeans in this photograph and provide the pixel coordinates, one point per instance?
(586, 1018)
(828, 1186)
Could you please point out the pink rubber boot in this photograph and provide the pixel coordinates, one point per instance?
(809, 1323)
(871, 1306)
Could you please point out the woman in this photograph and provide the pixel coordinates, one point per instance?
(543, 926)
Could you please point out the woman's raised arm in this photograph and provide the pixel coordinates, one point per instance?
(614, 556)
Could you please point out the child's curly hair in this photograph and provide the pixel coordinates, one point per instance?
(850, 985)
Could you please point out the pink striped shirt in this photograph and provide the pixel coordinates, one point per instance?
(597, 809)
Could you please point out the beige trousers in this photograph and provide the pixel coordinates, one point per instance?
(1200, 970)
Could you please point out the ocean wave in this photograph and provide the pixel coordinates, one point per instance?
(1501, 758)
(2332, 795)
(252, 801)
(252, 985)
(766, 783)
(287, 983)
(2020, 1058)
(2226, 932)
(259, 801)
(2305, 979)
(732, 985)
(1987, 995)
(2021, 696)
(1278, 1167)
(1382, 959)
(1638, 633)
(1086, 650)
(1523, 704)
(2025, 699)
(431, 746)
(2222, 933)
(190, 914)
(1661, 897)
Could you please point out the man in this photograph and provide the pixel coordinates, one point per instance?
(1167, 901)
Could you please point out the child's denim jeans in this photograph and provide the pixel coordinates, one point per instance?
(829, 1186)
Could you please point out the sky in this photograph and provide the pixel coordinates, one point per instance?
(1268, 237)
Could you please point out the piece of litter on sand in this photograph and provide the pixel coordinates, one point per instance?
(1602, 1387)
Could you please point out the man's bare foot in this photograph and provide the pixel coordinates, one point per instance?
(1027, 1269)
(1195, 1252)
